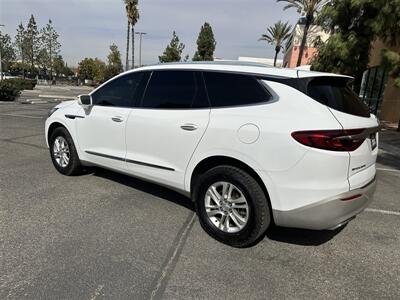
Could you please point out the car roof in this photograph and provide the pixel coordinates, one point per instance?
(236, 66)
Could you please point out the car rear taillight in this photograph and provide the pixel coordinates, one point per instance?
(333, 140)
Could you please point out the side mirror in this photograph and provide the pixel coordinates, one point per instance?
(85, 100)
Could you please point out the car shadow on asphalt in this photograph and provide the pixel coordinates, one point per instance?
(389, 146)
(389, 160)
(280, 234)
(144, 186)
(302, 237)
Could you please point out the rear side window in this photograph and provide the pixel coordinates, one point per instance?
(225, 89)
(335, 93)
(175, 90)
(119, 92)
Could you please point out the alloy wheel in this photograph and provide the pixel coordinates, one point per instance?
(226, 207)
(61, 151)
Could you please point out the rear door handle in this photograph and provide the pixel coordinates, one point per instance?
(189, 127)
(117, 119)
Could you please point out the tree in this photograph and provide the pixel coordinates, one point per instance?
(50, 46)
(32, 42)
(277, 35)
(60, 67)
(86, 69)
(354, 25)
(20, 45)
(7, 51)
(132, 13)
(310, 9)
(93, 69)
(391, 62)
(387, 27)
(42, 60)
(205, 44)
(114, 66)
(127, 8)
(174, 50)
(99, 70)
(17, 66)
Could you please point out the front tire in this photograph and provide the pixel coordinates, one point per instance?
(231, 205)
(63, 152)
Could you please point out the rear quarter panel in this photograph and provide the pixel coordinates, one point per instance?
(274, 154)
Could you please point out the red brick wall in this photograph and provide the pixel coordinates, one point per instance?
(290, 59)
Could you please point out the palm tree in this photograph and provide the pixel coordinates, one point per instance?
(127, 37)
(277, 35)
(132, 14)
(309, 9)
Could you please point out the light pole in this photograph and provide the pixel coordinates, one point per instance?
(1, 63)
(140, 46)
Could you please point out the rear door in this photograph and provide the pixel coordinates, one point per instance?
(164, 131)
(352, 114)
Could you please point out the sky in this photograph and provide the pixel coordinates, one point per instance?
(88, 27)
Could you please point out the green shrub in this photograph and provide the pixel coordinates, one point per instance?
(8, 91)
(23, 83)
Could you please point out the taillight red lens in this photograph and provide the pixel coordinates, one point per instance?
(333, 140)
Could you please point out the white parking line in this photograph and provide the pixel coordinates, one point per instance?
(381, 211)
(58, 96)
(389, 170)
(21, 116)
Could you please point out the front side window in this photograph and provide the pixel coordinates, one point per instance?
(119, 92)
(175, 90)
(228, 89)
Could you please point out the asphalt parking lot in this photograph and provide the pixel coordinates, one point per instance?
(105, 235)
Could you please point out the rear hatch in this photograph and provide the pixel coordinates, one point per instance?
(353, 115)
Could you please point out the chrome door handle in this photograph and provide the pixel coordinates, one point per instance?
(189, 127)
(117, 119)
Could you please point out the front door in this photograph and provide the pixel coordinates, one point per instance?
(101, 133)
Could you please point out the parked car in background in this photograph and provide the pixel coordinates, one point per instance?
(7, 75)
(250, 145)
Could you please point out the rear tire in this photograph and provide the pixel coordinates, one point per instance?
(231, 205)
(63, 152)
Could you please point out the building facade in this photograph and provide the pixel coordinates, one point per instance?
(315, 33)
(377, 88)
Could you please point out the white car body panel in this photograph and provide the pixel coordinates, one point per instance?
(265, 154)
(64, 108)
(155, 137)
(364, 157)
(98, 133)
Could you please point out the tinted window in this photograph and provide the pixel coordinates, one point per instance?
(335, 93)
(226, 89)
(175, 89)
(118, 92)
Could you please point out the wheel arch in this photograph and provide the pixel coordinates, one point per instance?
(52, 127)
(218, 160)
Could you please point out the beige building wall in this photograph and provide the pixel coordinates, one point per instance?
(390, 107)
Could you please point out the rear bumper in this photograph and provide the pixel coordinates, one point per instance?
(329, 213)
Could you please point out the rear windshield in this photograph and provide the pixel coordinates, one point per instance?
(335, 93)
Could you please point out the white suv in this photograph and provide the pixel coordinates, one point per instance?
(250, 145)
